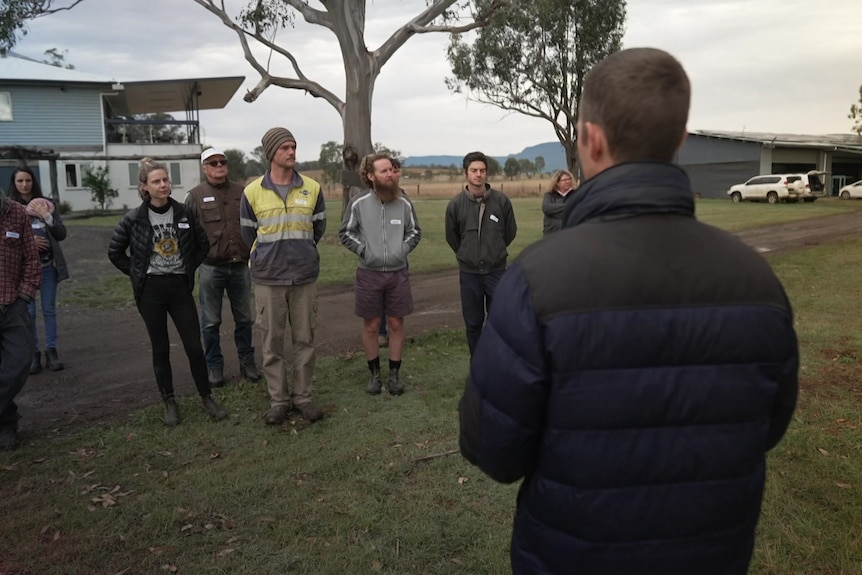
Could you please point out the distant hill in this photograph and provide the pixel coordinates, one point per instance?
(555, 157)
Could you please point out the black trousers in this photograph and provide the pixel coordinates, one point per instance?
(477, 292)
(164, 296)
(16, 353)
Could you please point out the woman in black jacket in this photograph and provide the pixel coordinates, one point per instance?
(159, 245)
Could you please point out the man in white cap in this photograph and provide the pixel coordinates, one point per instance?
(283, 217)
(216, 202)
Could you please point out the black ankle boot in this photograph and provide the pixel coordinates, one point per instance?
(172, 412)
(52, 360)
(36, 365)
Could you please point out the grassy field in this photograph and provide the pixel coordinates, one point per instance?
(338, 265)
(377, 488)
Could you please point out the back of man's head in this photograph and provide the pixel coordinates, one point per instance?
(640, 97)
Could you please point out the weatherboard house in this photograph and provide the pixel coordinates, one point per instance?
(63, 122)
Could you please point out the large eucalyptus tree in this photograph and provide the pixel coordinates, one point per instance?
(533, 56)
(345, 20)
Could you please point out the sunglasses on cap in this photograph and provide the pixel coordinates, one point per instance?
(215, 163)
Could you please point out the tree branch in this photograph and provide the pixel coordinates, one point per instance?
(311, 15)
(266, 79)
(421, 24)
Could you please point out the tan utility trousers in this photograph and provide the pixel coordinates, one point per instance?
(283, 310)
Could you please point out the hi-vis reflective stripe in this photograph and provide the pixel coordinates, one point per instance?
(247, 223)
(285, 235)
(285, 219)
(319, 216)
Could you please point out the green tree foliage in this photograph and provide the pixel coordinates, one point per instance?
(236, 165)
(330, 161)
(512, 167)
(381, 149)
(539, 164)
(856, 114)
(14, 15)
(257, 164)
(533, 56)
(98, 181)
(494, 167)
(527, 167)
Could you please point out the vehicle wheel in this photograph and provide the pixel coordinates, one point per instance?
(808, 200)
(735, 197)
(772, 198)
(845, 195)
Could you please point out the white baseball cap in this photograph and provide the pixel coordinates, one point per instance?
(209, 153)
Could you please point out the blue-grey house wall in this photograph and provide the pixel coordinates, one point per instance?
(51, 117)
(715, 164)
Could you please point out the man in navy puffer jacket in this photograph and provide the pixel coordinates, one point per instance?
(637, 365)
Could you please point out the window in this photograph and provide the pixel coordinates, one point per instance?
(176, 173)
(5, 107)
(133, 175)
(75, 174)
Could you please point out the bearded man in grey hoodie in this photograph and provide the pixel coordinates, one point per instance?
(381, 228)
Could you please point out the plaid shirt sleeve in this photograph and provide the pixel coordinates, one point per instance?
(20, 270)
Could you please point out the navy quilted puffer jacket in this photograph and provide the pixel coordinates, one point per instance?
(635, 369)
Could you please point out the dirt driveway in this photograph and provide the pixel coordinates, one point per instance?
(107, 355)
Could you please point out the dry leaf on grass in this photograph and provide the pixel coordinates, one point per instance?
(224, 552)
(822, 451)
(463, 480)
(843, 485)
(169, 568)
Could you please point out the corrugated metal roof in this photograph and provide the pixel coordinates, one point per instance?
(825, 141)
(16, 67)
(127, 98)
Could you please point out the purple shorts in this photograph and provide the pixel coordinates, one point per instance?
(375, 291)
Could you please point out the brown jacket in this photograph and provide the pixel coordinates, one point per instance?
(217, 208)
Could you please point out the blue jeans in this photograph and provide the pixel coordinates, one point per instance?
(477, 291)
(48, 297)
(214, 280)
(15, 357)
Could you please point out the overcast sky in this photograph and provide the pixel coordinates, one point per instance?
(757, 65)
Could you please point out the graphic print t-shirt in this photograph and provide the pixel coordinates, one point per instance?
(166, 258)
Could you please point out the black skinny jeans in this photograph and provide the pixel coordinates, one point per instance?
(169, 295)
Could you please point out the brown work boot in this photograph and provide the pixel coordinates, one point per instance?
(172, 412)
(394, 384)
(249, 371)
(213, 409)
(310, 412)
(374, 384)
(277, 414)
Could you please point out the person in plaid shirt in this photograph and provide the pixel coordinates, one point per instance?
(20, 276)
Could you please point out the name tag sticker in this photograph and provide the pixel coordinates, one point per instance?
(13, 235)
(183, 225)
(395, 222)
(209, 199)
(301, 203)
(494, 218)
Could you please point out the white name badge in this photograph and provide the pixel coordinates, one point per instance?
(395, 222)
(183, 225)
(494, 218)
(209, 199)
(14, 235)
(301, 203)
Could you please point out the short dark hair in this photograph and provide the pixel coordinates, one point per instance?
(474, 157)
(641, 98)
